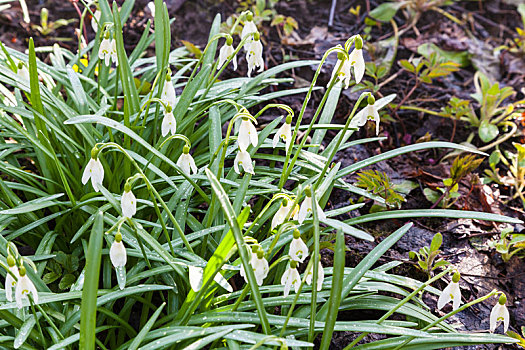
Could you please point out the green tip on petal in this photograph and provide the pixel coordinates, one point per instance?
(118, 237)
(10, 260)
(296, 234)
(456, 277)
(288, 119)
(22, 271)
(293, 264)
(358, 42)
(371, 99)
(308, 191)
(502, 299)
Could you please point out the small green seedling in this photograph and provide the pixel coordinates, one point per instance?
(427, 256)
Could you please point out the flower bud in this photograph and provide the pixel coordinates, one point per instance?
(456, 277)
(358, 42)
(256, 36)
(127, 187)
(186, 149)
(249, 16)
(296, 234)
(22, 271)
(288, 119)
(118, 237)
(371, 99)
(169, 109)
(502, 299)
(340, 56)
(229, 40)
(94, 152)
(10, 260)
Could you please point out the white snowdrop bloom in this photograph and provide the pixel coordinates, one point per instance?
(320, 276)
(243, 158)
(345, 74)
(249, 27)
(259, 265)
(22, 71)
(500, 313)
(151, 8)
(291, 278)
(168, 95)
(298, 249)
(451, 293)
(254, 51)
(247, 134)
(94, 171)
(369, 112)
(117, 252)
(105, 49)
(225, 53)
(357, 61)
(285, 133)
(10, 282)
(24, 286)
(169, 124)
(128, 203)
(281, 213)
(95, 20)
(306, 208)
(113, 52)
(186, 162)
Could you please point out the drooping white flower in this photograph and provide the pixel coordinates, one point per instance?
(320, 276)
(344, 75)
(94, 171)
(281, 213)
(369, 112)
(500, 313)
(22, 71)
(24, 286)
(357, 61)
(285, 133)
(249, 27)
(259, 265)
(105, 49)
(168, 95)
(117, 252)
(243, 158)
(169, 123)
(10, 282)
(95, 20)
(186, 162)
(247, 134)
(452, 293)
(254, 51)
(113, 52)
(298, 249)
(151, 8)
(225, 53)
(306, 208)
(128, 203)
(291, 278)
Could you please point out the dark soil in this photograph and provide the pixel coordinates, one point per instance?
(487, 25)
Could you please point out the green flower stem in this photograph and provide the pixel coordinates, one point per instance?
(276, 105)
(36, 320)
(284, 228)
(340, 140)
(49, 320)
(176, 136)
(400, 304)
(503, 138)
(286, 173)
(452, 313)
(153, 193)
(264, 210)
(315, 274)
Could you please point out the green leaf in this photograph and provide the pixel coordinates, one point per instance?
(487, 131)
(437, 240)
(67, 281)
(386, 11)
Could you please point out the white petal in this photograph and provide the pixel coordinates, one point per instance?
(359, 119)
(117, 254)
(196, 275)
(169, 124)
(296, 280)
(320, 213)
(298, 250)
(87, 171)
(456, 292)
(306, 208)
(286, 281)
(358, 62)
(184, 163)
(248, 29)
(95, 19)
(221, 281)
(193, 166)
(445, 297)
(128, 203)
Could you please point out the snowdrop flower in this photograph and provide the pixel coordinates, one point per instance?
(357, 61)
(306, 207)
(117, 252)
(186, 162)
(254, 51)
(95, 20)
(108, 50)
(451, 293)
(226, 52)
(291, 278)
(24, 286)
(345, 73)
(281, 213)
(94, 171)
(320, 276)
(249, 27)
(128, 202)
(259, 265)
(22, 71)
(499, 314)
(169, 124)
(243, 158)
(10, 282)
(298, 249)
(285, 133)
(247, 134)
(369, 112)
(168, 96)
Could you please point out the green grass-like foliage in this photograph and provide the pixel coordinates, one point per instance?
(185, 225)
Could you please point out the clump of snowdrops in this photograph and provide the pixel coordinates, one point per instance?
(154, 210)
